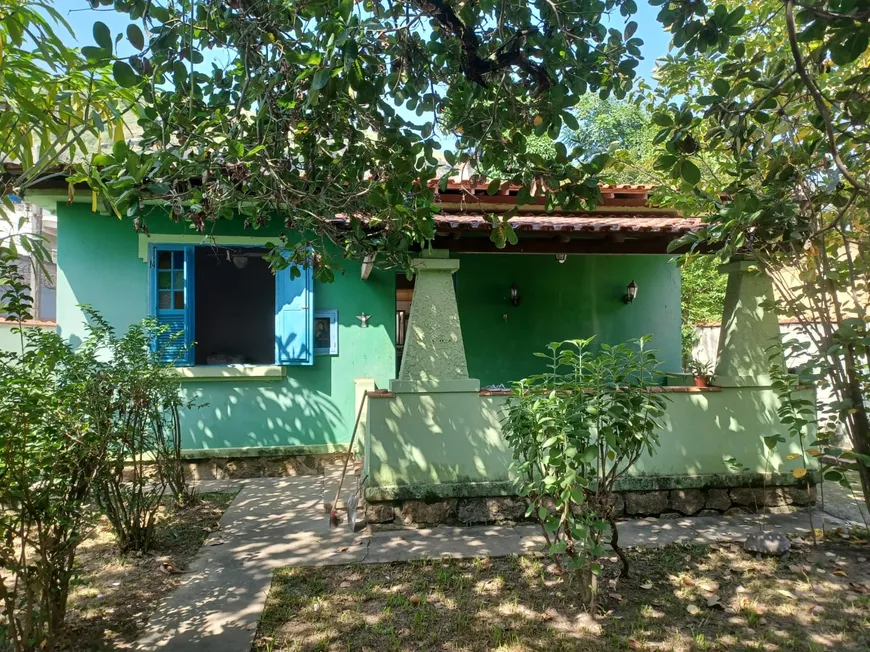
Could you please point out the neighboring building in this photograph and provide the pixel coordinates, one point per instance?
(33, 220)
(280, 364)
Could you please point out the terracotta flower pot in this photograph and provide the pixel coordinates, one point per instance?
(699, 381)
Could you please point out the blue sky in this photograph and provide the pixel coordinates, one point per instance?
(82, 18)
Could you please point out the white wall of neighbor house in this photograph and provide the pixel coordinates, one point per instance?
(31, 219)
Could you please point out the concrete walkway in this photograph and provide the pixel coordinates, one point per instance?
(281, 522)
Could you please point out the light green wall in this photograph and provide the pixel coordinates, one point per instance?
(575, 299)
(98, 264)
(451, 444)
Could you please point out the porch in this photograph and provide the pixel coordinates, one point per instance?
(435, 433)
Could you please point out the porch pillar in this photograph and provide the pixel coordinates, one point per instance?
(748, 329)
(434, 355)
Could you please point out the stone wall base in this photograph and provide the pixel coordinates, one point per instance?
(674, 503)
(233, 468)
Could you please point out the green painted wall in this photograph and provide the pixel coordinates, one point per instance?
(575, 299)
(451, 444)
(98, 264)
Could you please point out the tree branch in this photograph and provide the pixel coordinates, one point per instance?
(817, 98)
(474, 66)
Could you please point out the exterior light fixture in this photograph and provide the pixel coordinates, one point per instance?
(630, 292)
(515, 294)
(561, 258)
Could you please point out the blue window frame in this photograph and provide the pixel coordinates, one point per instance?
(172, 294)
(326, 332)
(172, 301)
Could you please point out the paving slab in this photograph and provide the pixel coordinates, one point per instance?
(278, 522)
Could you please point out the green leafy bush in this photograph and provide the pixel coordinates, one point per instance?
(49, 456)
(575, 431)
(138, 406)
(74, 421)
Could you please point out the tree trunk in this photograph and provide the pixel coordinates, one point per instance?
(614, 543)
(588, 588)
(860, 422)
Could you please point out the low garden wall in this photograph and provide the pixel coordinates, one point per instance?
(443, 454)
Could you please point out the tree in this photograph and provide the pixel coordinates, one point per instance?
(301, 111)
(54, 104)
(622, 129)
(770, 100)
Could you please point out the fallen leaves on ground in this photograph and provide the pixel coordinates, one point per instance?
(686, 599)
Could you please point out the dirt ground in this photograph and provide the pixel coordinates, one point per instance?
(115, 594)
(681, 598)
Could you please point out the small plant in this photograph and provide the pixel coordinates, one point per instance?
(701, 370)
(575, 431)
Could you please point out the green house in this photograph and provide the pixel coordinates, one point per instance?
(280, 364)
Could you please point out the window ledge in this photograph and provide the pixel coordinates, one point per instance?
(230, 372)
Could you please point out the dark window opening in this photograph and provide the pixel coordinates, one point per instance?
(404, 294)
(234, 299)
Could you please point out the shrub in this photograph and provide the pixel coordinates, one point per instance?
(138, 406)
(71, 419)
(49, 456)
(575, 431)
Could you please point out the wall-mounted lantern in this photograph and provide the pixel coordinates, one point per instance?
(630, 292)
(561, 258)
(515, 294)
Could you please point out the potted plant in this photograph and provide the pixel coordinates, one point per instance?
(702, 372)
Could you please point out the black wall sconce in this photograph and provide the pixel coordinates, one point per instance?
(630, 292)
(515, 294)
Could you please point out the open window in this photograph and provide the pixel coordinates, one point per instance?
(223, 305)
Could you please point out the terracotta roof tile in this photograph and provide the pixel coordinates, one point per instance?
(573, 222)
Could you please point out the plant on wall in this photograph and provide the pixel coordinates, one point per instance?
(575, 431)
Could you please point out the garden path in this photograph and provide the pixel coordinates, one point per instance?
(276, 522)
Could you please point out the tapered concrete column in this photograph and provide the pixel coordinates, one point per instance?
(748, 329)
(434, 356)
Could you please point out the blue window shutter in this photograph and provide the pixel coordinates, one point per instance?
(172, 301)
(294, 318)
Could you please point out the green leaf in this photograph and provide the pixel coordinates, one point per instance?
(721, 87)
(850, 49)
(690, 173)
(135, 36)
(158, 13)
(94, 54)
(662, 119)
(124, 74)
(103, 36)
(321, 77)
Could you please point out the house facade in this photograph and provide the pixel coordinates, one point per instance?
(279, 364)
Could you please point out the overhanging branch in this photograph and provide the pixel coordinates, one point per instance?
(474, 66)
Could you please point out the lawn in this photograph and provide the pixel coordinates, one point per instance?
(115, 594)
(681, 598)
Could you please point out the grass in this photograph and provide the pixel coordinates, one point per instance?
(115, 594)
(681, 598)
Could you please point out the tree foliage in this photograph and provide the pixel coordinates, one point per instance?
(621, 129)
(771, 100)
(300, 111)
